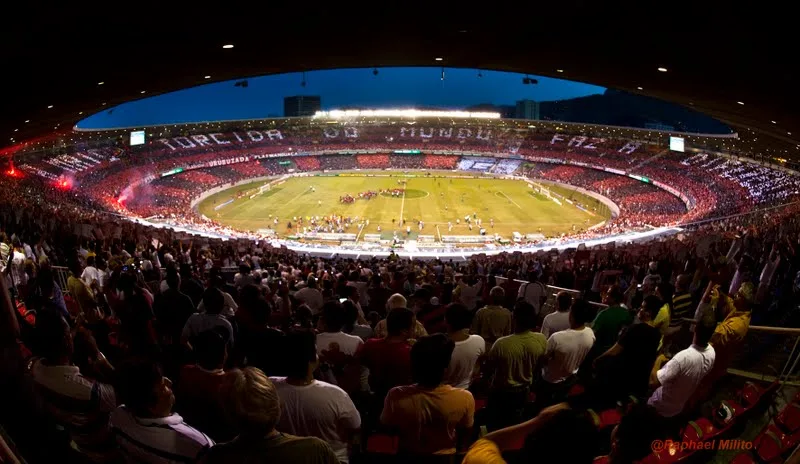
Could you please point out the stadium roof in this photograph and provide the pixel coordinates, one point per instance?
(63, 62)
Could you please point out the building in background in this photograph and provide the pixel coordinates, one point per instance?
(527, 109)
(301, 105)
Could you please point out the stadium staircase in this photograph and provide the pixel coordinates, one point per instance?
(648, 161)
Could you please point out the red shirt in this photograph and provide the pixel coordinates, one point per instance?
(389, 363)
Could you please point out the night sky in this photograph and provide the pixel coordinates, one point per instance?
(391, 88)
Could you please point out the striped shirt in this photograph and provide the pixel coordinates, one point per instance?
(79, 404)
(681, 307)
(162, 440)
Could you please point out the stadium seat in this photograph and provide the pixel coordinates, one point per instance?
(771, 444)
(698, 430)
(605, 419)
(744, 458)
(789, 418)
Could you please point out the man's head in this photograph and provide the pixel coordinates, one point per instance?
(524, 316)
(745, 297)
(563, 302)
(311, 282)
(213, 300)
(497, 296)
(396, 301)
(173, 279)
(350, 313)
(457, 317)
(703, 331)
(430, 357)
(632, 439)
(614, 295)
(333, 315)
(665, 290)
(580, 313)
(144, 390)
(300, 354)
(651, 305)
(210, 349)
(253, 401)
(400, 322)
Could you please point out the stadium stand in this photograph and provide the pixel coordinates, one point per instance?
(109, 310)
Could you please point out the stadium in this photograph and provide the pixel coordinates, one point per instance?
(593, 278)
(517, 186)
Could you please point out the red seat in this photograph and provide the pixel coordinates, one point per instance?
(744, 458)
(576, 390)
(382, 443)
(750, 394)
(789, 418)
(770, 445)
(480, 403)
(601, 460)
(701, 429)
(605, 419)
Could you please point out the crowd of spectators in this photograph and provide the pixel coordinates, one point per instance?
(301, 359)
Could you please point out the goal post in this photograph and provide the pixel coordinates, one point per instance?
(541, 189)
(264, 188)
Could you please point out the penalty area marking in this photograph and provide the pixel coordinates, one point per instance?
(509, 199)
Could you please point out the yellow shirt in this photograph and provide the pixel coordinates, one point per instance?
(427, 420)
(483, 451)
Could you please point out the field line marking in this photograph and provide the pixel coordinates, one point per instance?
(509, 199)
(359, 232)
(402, 205)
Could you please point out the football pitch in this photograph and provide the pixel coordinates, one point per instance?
(512, 205)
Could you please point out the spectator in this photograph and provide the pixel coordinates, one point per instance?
(199, 387)
(468, 349)
(676, 381)
(493, 321)
(78, 403)
(398, 301)
(566, 349)
(214, 302)
(310, 295)
(255, 406)
(351, 325)
(624, 369)
(389, 359)
(172, 308)
(557, 434)
(229, 305)
(610, 321)
(558, 320)
(410, 409)
(311, 408)
(145, 427)
(534, 292)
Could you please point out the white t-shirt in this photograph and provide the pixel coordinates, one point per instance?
(348, 344)
(679, 378)
(462, 363)
(532, 292)
(310, 296)
(555, 322)
(565, 353)
(317, 410)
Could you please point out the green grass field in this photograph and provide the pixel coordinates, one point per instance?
(511, 203)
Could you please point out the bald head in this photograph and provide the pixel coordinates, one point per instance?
(396, 301)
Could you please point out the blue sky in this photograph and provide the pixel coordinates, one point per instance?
(392, 87)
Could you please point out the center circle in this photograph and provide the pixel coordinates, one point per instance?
(410, 193)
